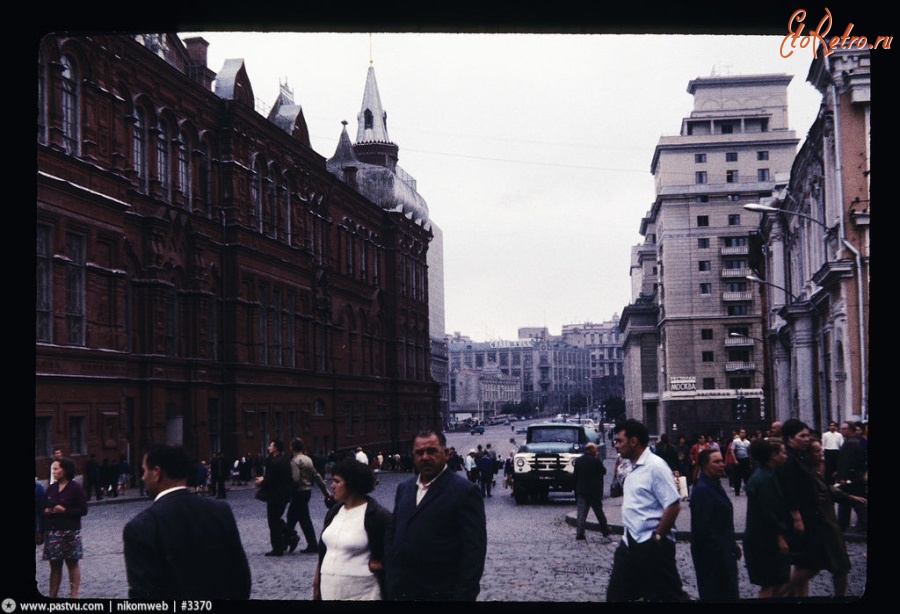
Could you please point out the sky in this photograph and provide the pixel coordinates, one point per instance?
(532, 150)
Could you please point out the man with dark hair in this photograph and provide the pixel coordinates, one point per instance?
(851, 475)
(589, 472)
(436, 542)
(303, 476)
(182, 546)
(644, 562)
(275, 488)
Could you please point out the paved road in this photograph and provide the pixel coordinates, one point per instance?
(532, 552)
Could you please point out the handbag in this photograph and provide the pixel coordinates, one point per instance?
(615, 489)
(262, 494)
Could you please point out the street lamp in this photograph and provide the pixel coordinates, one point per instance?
(759, 208)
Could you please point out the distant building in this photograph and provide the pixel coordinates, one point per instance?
(482, 393)
(693, 359)
(549, 371)
(604, 343)
(202, 278)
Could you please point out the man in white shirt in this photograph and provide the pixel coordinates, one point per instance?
(644, 562)
(740, 447)
(361, 456)
(832, 440)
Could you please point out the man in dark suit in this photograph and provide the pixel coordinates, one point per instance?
(275, 487)
(182, 546)
(437, 539)
(589, 472)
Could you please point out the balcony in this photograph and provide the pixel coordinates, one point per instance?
(738, 342)
(737, 250)
(736, 272)
(738, 365)
(737, 296)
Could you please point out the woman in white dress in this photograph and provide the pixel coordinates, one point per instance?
(351, 548)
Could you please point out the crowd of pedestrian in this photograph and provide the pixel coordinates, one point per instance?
(794, 529)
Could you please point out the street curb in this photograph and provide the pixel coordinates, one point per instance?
(685, 536)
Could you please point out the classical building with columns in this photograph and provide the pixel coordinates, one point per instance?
(813, 257)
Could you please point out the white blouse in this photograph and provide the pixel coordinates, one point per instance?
(347, 544)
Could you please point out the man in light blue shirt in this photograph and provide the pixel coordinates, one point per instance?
(644, 564)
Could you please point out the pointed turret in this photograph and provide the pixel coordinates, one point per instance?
(373, 145)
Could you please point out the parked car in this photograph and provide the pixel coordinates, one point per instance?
(477, 429)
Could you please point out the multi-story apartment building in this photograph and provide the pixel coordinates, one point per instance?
(692, 337)
(549, 371)
(483, 393)
(604, 343)
(202, 278)
(814, 256)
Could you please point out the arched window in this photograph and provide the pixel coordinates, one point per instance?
(69, 102)
(184, 169)
(367, 119)
(139, 148)
(162, 160)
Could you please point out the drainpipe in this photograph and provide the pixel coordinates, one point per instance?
(863, 388)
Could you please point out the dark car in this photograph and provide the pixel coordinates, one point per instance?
(477, 429)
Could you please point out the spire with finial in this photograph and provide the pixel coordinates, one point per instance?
(373, 145)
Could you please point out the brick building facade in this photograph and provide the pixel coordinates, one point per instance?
(202, 278)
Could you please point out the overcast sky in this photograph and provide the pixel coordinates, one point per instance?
(532, 150)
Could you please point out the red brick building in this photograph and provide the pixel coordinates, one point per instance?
(202, 278)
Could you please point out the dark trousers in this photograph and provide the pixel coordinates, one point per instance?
(274, 511)
(717, 574)
(844, 509)
(298, 511)
(742, 473)
(93, 486)
(645, 571)
(583, 504)
(831, 460)
(486, 482)
(220, 487)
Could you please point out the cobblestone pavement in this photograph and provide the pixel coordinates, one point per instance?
(532, 552)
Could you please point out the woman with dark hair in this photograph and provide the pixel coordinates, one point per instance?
(766, 551)
(66, 504)
(807, 538)
(830, 542)
(351, 548)
(714, 549)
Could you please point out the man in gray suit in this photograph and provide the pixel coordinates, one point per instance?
(439, 518)
(182, 546)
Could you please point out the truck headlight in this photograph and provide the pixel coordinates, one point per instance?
(520, 462)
